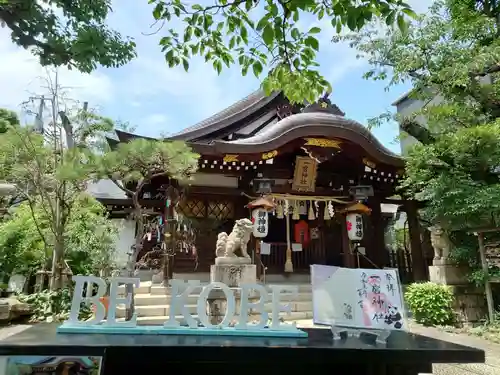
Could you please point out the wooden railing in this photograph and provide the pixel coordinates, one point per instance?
(402, 260)
(275, 262)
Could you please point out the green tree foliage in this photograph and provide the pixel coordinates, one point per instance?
(49, 177)
(133, 165)
(7, 119)
(266, 36)
(67, 33)
(89, 239)
(452, 57)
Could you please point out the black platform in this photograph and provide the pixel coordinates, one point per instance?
(404, 354)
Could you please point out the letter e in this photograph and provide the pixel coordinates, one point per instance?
(114, 300)
(277, 307)
(246, 305)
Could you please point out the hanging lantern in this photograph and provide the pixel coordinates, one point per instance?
(354, 223)
(260, 220)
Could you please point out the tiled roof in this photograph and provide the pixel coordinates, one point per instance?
(224, 117)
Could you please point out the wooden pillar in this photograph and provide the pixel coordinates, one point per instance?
(376, 250)
(417, 256)
(288, 262)
(258, 261)
(487, 284)
(170, 240)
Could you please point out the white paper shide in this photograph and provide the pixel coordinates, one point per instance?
(253, 298)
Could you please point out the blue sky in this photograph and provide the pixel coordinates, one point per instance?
(159, 100)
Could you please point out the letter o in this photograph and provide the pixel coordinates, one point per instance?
(201, 307)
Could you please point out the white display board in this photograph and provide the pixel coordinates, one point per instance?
(357, 298)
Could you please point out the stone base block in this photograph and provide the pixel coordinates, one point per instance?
(442, 262)
(234, 275)
(469, 304)
(157, 278)
(448, 274)
(11, 308)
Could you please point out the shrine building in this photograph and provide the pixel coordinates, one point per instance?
(326, 176)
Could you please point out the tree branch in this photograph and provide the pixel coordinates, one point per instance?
(121, 186)
(417, 131)
(38, 229)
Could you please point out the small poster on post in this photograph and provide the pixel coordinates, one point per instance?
(357, 298)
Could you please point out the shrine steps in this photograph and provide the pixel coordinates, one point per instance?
(152, 303)
(159, 320)
(204, 277)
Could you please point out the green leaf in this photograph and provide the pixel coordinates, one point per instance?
(391, 17)
(410, 13)
(268, 35)
(185, 64)
(244, 34)
(257, 68)
(315, 30)
(188, 33)
(264, 21)
(338, 27)
(352, 20)
(158, 10)
(321, 14)
(402, 24)
(312, 42)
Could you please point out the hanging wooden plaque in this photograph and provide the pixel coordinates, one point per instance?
(304, 177)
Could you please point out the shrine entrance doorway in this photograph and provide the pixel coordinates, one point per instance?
(324, 245)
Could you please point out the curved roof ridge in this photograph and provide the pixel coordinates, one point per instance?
(231, 111)
(300, 120)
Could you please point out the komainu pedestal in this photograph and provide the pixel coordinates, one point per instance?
(232, 267)
(469, 302)
(233, 275)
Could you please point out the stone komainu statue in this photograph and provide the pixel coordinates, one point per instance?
(227, 245)
(440, 242)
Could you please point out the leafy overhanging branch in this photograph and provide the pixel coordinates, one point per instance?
(265, 35)
(450, 53)
(78, 39)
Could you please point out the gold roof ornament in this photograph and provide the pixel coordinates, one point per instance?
(228, 158)
(369, 163)
(323, 142)
(269, 155)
